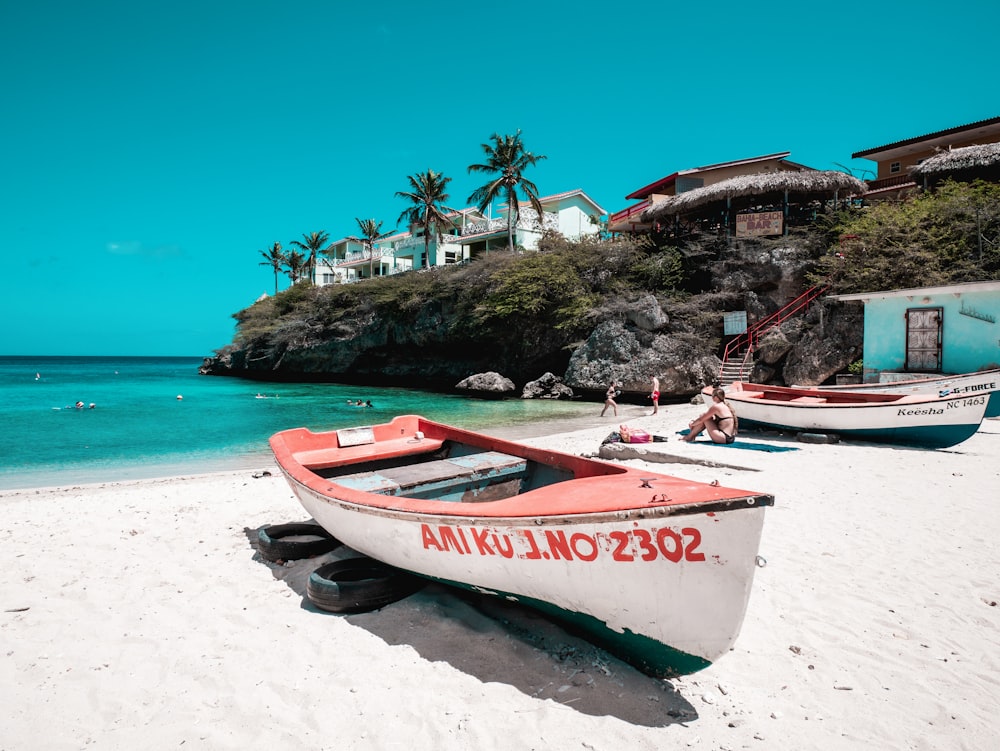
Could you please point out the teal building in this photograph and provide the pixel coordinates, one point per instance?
(948, 330)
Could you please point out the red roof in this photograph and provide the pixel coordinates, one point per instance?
(648, 190)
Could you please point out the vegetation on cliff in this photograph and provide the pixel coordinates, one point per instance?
(524, 313)
(949, 236)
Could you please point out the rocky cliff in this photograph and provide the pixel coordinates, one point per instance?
(626, 332)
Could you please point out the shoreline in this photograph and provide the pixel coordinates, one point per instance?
(263, 459)
(874, 624)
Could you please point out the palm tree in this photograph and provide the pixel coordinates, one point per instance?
(427, 195)
(276, 259)
(313, 245)
(371, 233)
(507, 159)
(295, 264)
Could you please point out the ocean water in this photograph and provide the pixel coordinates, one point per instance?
(156, 417)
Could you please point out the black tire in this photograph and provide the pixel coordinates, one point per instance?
(273, 546)
(357, 585)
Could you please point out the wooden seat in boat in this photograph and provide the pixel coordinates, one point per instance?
(456, 477)
(326, 458)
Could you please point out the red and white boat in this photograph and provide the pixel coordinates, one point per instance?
(930, 420)
(656, 569)
(966, 384)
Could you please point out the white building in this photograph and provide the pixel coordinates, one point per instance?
(471, 234)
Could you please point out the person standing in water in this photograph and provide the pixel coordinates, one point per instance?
(609, 399)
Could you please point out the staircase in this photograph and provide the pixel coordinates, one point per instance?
(737, 369)
(737, 359)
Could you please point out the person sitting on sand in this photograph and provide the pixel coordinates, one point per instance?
(719, 421)
(609, 399)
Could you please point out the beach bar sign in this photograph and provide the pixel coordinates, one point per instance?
(761, 223)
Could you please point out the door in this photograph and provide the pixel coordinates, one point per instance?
(923, 339)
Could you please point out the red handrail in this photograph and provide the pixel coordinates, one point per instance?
(751, 336)
(626, 213)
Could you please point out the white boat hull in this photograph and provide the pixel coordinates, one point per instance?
(667, 586)
(921, 420)
(983, 383)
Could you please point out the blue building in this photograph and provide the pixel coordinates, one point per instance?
(948, 330)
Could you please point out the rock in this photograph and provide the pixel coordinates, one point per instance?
(489, 384)
(615, 351)
(549, 386)
(777, 343)
(828, 347)
(647, 314)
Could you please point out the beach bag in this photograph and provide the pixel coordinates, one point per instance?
(633, 435)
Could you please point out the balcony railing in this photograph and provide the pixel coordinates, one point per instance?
(364, 255)
(529, 220)
(888, 182)
(409, 242)
(631, 211)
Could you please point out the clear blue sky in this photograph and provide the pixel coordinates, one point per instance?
(150, 150)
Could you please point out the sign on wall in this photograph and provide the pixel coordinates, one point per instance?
(763, 223)
(734, 322)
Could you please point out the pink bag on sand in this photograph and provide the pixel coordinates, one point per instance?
(633, 435)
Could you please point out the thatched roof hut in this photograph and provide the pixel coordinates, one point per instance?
(776, 186)
(965, 163)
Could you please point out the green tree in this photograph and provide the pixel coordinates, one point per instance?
(312, 245)
(371, 233)
(276, 259)
(947, 236)
(427, 196)
(507, 159)
(295, 265)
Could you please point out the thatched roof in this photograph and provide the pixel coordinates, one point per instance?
(966, 159)
(812, 182)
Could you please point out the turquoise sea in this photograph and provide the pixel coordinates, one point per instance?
(156, 416)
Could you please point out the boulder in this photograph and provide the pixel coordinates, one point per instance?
(778, 342)
(828, 347)
(617, 352)
(549, 386)
(647, 314)
(489, 384)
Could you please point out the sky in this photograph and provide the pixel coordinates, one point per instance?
(150, 150)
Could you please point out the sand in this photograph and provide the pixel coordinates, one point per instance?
(139, 615)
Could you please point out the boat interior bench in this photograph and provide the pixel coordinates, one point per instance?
(327, 458)
(485, 476)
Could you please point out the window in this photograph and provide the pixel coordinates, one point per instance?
(893, 168)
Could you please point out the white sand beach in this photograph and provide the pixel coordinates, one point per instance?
(139, 615)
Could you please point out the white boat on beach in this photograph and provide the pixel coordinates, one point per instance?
(929, 420)
(967, 384)
(656, 569)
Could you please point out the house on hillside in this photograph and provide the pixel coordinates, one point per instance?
(328, 269)
(949, 329)
(471, 233)
(630, 219)
(570, 214)
(897, 160)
